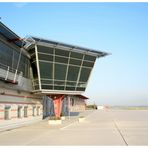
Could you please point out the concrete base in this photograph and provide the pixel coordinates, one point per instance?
(54, 122)
(63, 118)
(81, 119)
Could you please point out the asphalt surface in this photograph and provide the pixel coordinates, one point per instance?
(107, 127)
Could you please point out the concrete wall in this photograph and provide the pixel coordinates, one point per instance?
(77, 104)
(14, 100)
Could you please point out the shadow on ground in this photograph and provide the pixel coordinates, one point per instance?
(74, 113)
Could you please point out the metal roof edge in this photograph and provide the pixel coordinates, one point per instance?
(98, 53)
(9, 29)
(11, 32)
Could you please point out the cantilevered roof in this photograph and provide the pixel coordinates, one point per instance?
(82, 97)
(65, 46)
(10, 35)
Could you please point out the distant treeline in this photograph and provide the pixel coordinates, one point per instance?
(91, 106)
(130, 107)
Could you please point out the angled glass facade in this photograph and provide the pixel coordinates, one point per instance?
(61, 69)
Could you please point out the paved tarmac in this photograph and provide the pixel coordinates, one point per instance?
(101, 127)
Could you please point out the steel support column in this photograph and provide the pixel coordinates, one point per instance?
(57, 101)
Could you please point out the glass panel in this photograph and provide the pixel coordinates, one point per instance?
(15, 59)
(76, 55)
(47, 81)
(47, 86)
(85, 72)
(45, 57)
(59, 82)
(62, 52)
(44, 49)
(88, 64)
(73, 73)
(22, 65)
(70, 88)
(10, 57)
(80, 84)
(60, 71)
(6, 54)
(80, 89)
(89, 58)
(59, 87)
(61, 60)
(75, 62)
(71, 83)
(46, 70)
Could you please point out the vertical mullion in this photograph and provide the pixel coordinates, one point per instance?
(38, 68)
(53, 67)
(12, 59)
(79, 72)
(67, 70)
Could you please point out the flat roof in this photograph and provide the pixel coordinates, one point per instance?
(65, 46)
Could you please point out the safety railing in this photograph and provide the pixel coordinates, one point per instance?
(9, 74)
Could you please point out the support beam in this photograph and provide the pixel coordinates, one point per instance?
(57, 101)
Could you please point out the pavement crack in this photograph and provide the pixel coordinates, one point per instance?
(120, 133)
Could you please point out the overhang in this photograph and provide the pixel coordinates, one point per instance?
(82, 97)
(64, 46)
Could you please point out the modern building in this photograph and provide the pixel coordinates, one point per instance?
(37, 75)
